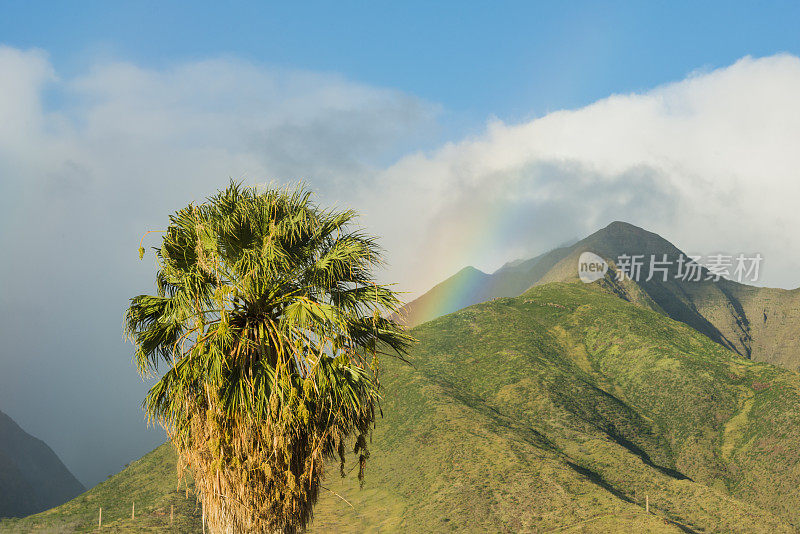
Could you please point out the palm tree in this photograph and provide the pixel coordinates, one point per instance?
(270, 323)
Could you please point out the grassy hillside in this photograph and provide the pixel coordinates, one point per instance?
(568, 405)
(564, 409)
(150, 482)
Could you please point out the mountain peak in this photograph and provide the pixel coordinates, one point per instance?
(621, 237)
(626, 229)
(469, 270)
(623, 226)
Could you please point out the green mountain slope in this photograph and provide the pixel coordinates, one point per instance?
(758, 323)
(32, 478)
(150, 484)
(566, 407)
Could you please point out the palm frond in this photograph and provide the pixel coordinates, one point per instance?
(269, 320)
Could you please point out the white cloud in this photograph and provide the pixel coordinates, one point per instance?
(710, 162)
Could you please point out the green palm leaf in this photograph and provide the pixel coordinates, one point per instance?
(269, 321)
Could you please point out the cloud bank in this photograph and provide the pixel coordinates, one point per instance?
(709, 162)
(89, 162)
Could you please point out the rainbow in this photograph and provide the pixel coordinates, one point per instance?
(468, 286)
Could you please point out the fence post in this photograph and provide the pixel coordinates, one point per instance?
(204, 518)
(100, 519)
(133, 510)
(647, 503)
(171, 513)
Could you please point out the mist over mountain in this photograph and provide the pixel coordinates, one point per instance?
(32, 477)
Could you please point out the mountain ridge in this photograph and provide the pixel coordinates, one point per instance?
(733, 314)
(32, 477)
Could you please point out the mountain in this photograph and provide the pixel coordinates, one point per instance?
(471, 286)
(32, 478)
(569, 407)
(564, 408)
(759, 323)
(148, 487)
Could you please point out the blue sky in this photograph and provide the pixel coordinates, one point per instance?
(465, 133)
(513, 60)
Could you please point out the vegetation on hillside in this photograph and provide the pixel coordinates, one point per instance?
(148, 489)
(757, 322)
(568, 405)
(569, 409)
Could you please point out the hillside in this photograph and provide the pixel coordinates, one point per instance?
(32, 478)
(759, 323)
(564, 407)
(756, 322)
(568, 405)
(151, 483)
